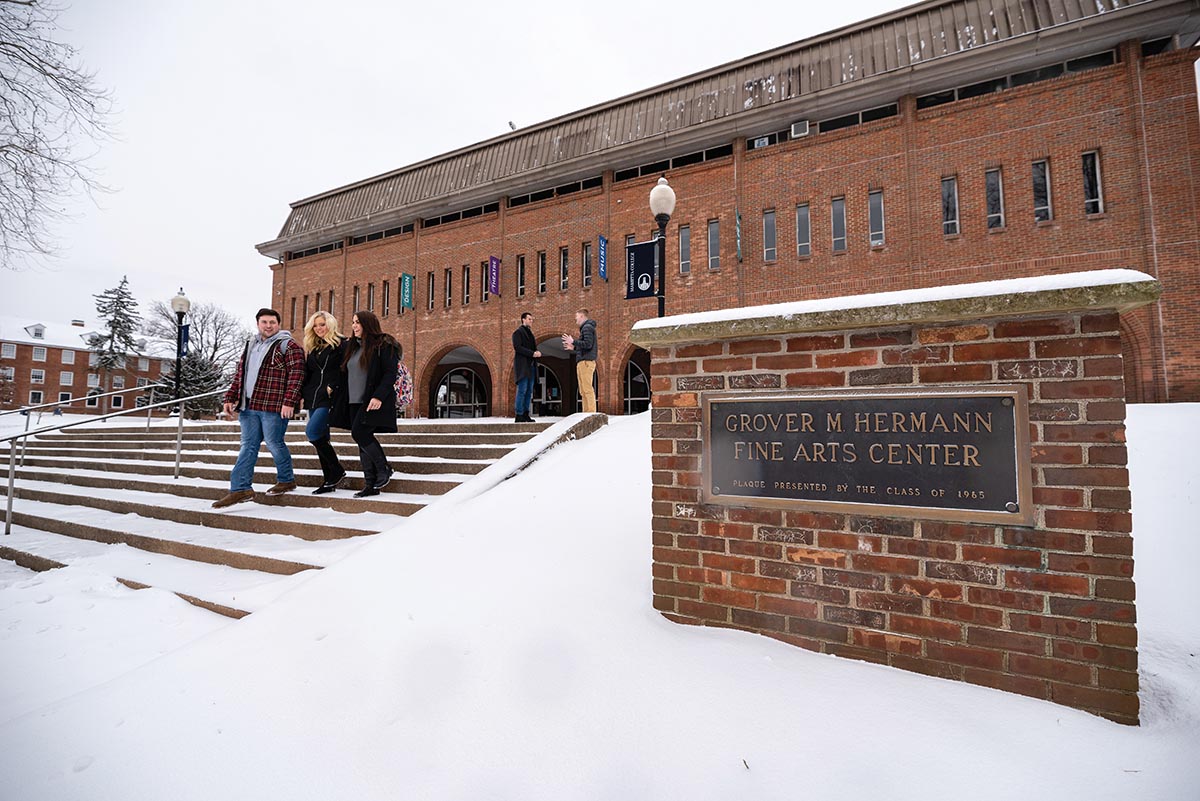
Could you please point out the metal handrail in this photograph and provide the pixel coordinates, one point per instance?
(24, 435)
(89, 396)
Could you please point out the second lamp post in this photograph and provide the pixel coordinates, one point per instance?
(662, 203)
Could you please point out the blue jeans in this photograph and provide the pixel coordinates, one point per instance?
(318, 424)
(259, 427)
(524, 395)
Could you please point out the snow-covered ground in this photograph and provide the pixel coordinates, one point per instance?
(504, 647)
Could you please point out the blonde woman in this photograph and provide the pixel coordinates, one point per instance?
(322, 371)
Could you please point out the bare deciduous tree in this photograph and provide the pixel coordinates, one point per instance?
(214, 333)
(49, 107)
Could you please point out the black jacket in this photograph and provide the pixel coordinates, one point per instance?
(381, 384)
(524, 345)
(322, 371)
(585, 343)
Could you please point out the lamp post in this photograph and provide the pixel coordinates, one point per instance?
(180, 305)
(662, 203)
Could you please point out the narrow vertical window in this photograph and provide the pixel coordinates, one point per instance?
(449, 278)
(304, 319)
(293, 325)
(587, 263)
(466, 272)
(357, 298)
(803, 231)
(875, 217)
(994, 190)
(1043, 211)
(541, 271)
(685, 250)
(1093, 192)
(387, 298)
(949, 206)
(318, 303)
(714, 245)
(370, 297)
(564, 268)
(430, 289)
(769, 235)
(837, 216)
(520, 276)
(485, 286)
(331, 301)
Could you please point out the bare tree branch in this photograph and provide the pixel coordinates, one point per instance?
(214, 334)
(49, 106)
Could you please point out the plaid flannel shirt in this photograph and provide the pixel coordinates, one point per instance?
(279, 379)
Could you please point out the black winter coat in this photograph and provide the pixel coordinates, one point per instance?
(524, 346)
(381, 384)
(322, 371)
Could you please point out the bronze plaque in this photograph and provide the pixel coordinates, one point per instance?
(957, 454)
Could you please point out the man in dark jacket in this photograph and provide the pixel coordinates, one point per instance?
(585, 350)
(524, 368)
(266, 392)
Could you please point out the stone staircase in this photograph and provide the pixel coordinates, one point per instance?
(106, 498)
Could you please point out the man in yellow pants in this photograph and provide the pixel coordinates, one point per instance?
(585, 349)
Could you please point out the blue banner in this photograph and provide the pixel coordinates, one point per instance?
(493, 275)
(603, 260)
(183, 341)
(639, 269)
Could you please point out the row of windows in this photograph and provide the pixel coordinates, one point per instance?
(66, 378)
(36, 396)
(9, 351)
(1104, 59)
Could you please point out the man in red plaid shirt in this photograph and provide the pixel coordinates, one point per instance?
(266, 392)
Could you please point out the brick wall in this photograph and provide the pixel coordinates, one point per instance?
(1045, 611)
(54, 367)
(1140, 114)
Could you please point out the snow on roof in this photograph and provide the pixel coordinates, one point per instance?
(1012, 286)
(59, 334)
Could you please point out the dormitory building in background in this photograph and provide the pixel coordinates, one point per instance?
(944, 143)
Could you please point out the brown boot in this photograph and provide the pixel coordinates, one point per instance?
(239, 496)
(282, 487)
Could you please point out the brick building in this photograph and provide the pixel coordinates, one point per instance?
(948, 142)
(49, 362)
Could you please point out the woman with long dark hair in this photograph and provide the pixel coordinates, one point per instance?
(322, 371)
(364, 400)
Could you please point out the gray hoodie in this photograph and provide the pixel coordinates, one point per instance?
(254, 359)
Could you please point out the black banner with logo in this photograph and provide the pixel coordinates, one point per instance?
(639, 270)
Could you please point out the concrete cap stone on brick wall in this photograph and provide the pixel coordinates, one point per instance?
(1116, 290)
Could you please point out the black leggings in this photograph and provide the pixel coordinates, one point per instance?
(370, 452)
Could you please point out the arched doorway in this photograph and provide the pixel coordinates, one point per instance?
(459, 386)
(547, 393)
(635, 382)
(555, 385)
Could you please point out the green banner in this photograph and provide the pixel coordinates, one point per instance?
(406, 290)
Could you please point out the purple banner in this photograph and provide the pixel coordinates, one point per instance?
(493, 275)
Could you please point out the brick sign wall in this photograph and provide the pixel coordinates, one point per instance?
(1045, 610)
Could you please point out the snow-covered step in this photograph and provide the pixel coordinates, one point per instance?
(231, 591)
(292, 437)
(308, 524)
(200, 450)
(218, 465)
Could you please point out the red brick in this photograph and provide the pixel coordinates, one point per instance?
(744, 346)
(701, 610)
(1045, 539)
(1054, 669)
(891, 565)
(889, 643)
(956, 373)
(959, 333)
(707, 349)
(792, 361)
(882, 602)
(676, 557)
(1015, 557)
(880, 338)
(736, 564)
(1093, 610)
(1111, 499)
(1047, 582)
(928, 589)
(852, 358)
(916, 355)
(1119, 658)
(964, 655)
(1117, 634)
(816, 556)
(828, 342)
(788, 606)
(1057, 454)
(1088, 388)
(758, 621)
(815, 379)
(729, 365)
(925, 627)
(1079, 346)
(991, 351)
(1118, 705)
(722, 596)
(966, 613)
(676, 589)
(1092, 565)
(1057, 326)
(1008, 599)
(757, 583)
(1007, 641)
(1051, 626)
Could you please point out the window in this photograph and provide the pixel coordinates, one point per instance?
(485, 287)
(564, 268)
(685, 250)
(837, 216)
(466, 272)
(586, 250)
(304, 319)
(8, 351)
(8, 373)
(35, 397)
(39, 354)
(37, 376)
(93, 400)
(541, 271)
(449, 278)
(66, 378)
(1042, 209)
(118, 382)
(994, 182)
(39, 332)
(875, 217)
(803, 231)
(143, 365)
(370, 297)
(520, 276)
(1093, 194)
(141, 382)
(118, 402)
(331, 301)
(387, 298)
(769, 235)
(68, 357)
(429, 289)
(714, 245)
(293, 325)
(63, 397)
(317, 303)
(93, 358)
(93, 379)
(357, 298)
(949, 206)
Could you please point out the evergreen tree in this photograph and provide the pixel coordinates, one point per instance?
(197, 375)
(117, 310)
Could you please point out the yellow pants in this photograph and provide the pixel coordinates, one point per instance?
(584, 370)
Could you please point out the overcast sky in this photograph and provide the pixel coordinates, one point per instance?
(229, 110)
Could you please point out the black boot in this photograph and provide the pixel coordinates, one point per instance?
(331, 467)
